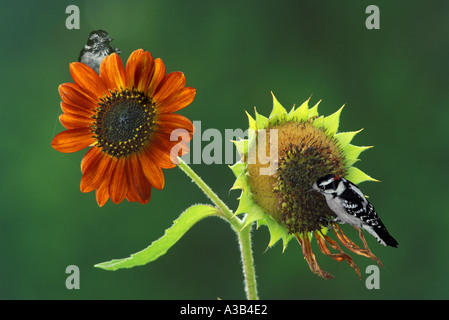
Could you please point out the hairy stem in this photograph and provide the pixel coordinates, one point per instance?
(244, 237)
(243, 234)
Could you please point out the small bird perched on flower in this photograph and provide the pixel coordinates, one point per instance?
(350, 205)
(96, 49)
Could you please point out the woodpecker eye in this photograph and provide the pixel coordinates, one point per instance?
(322, 188)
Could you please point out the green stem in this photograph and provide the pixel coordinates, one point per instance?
(244, 234)
(244, 237)
(227, 213)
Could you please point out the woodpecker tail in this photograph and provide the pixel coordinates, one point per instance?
(381, 234)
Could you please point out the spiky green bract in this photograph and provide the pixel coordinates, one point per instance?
(308, 146)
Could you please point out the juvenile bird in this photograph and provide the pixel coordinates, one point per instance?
(96, 49)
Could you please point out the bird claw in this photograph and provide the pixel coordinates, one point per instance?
(328, 221)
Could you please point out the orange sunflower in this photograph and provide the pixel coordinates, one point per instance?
(126, 115)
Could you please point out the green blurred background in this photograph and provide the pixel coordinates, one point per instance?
(394, 84)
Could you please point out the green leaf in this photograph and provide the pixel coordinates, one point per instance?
(159, 247)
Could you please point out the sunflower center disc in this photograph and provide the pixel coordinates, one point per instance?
(123, 121)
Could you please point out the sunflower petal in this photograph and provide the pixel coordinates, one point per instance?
(139, 187)
(68, 108)
(74, 121)
(168, 122)
(139, 70)
(94, 172)
(73, 94)
(131, 195)
(157, 76)
(161, 150)
(151, 171)
(92, 155)
(73, 140)
(88, 80)
(176, 101)
(171, 84)
(102, 194)
(112, 72)
(118, 186)
(173, 148)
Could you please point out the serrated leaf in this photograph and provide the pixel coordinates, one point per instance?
(159, 247)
